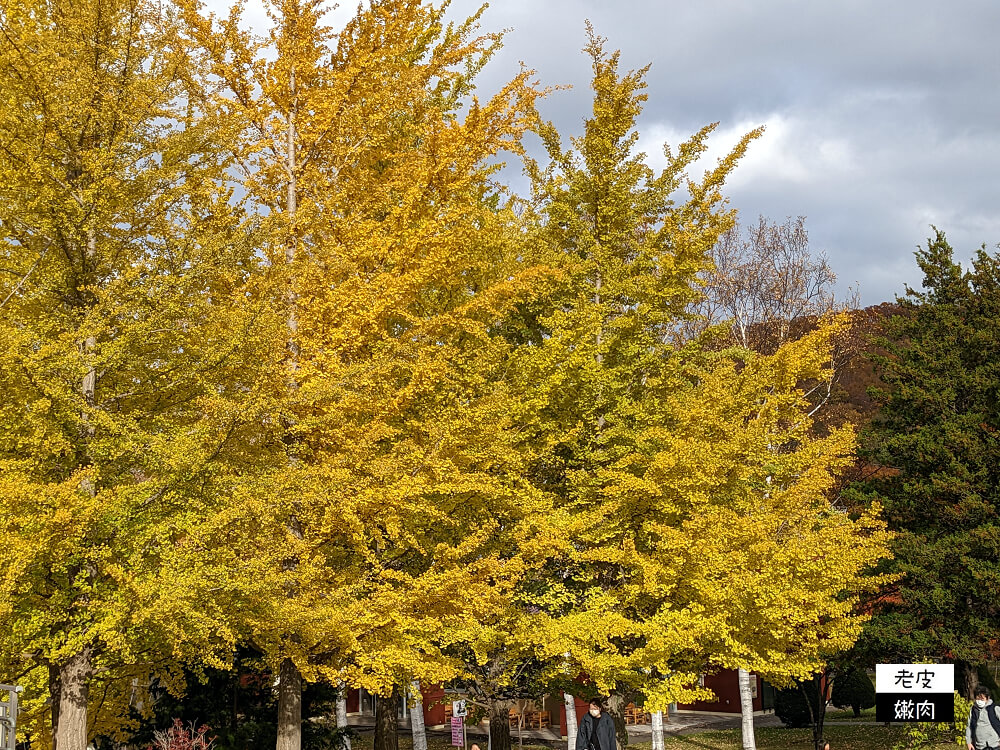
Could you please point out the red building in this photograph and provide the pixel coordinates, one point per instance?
(550, 713)
(726, 686)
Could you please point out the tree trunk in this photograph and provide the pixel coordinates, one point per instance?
(746, 711)
(966, 679)
(571, 724)
(290, 679)
(88, 386)
(234, 709)
(816, 702)
(72, 680)
(820, 681)
(657, 718)
(70, 718)
(616, 707)
(500, 725)
(417, 718)
(74, 689)
(386, 724)
(289, 707)
(291, 248)
(342, 714)
(54, 698)
(600, 336)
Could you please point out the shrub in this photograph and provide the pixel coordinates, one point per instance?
(790, 706)
(180, 737)
(323, 735)
(937, 735)
(855, 689)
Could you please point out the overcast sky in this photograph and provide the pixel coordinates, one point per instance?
(882, 117)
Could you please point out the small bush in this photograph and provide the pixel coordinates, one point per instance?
(325, 736)
(936, 735)
(790, 706)
(180, 737)
(855, 689)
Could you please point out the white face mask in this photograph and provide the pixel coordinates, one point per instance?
(595, 712)
(981, 703)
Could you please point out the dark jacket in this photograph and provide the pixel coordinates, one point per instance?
(970, 728)
(604, 728)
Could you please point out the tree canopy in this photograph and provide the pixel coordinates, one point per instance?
(288, 370)
(934, 439)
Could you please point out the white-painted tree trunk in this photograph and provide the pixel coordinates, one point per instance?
(70, 717)
(417, 718)
(657, 719)
(571, 724)
(746, 709)
(342, 712)
(290, 679)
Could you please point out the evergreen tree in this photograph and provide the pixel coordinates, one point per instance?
(853, 688)
(792, 704)
(937, 439)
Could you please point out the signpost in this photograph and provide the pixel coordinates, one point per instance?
(913, 693)
(459, 710)
(8, 716)
(458, 731)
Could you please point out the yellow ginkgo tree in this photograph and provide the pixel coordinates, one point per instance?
(129, 350)
(683, 462)
(371, 165)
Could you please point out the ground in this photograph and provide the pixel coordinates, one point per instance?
(841, 737)
(859, 737)
(836, 714)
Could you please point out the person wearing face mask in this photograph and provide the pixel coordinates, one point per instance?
(597, 729)
(983, 729)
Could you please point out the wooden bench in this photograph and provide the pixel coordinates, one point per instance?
(538, 719)
(635, 715)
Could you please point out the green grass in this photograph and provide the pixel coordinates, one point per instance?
(778, 738)
(861, 737)
(836, 714)
(436, 741)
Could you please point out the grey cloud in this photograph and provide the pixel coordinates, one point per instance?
(884, 115)
(904, 95)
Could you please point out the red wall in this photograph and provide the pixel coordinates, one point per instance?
(726, 687)
(433, 715)
(582, 707)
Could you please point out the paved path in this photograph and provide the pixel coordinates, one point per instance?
(680, 724)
